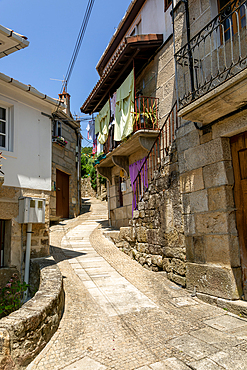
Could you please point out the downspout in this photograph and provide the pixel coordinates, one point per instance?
(27, 259)
(191, 69)
(174, 51)
(108, 201)
(78, 172)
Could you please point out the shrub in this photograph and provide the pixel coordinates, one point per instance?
(11, 295)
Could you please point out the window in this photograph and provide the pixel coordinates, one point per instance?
(167, 3)
(232, 18)
(3, 129)
(57, 128)
(5, 241)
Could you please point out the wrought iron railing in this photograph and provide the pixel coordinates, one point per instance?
(156, 155)
(145, 118)
(146, 113)
(215, 54)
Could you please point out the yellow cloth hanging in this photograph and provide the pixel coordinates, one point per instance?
(124, 108)
(102, 123)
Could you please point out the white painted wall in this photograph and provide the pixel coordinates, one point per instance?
(28, 163)
(155, 20)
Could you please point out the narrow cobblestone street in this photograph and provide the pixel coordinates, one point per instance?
(118, 315)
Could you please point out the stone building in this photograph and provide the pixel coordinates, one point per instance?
(26, 117)
(66, 163)
(189, 194)
(140, 54)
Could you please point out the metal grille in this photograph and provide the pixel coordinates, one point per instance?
(217, 53)
(2, 241)
(156, 155)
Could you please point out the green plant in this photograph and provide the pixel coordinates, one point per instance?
(146, 115)
(11, 295)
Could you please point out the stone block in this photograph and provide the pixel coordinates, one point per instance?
(189, 224)
(142, 247)
(154, 249)
(123, 245)
(195, 249)
(141, 214)
(157, 260)
(192, 181)
(204, 138)
(217, 249)
(135, 214)
(198, 201)
(166, 264)
(213, 151)
(217, 174)
(127, 233)
(178, 266)
(220, 198)
(152, 236)
(188, 141)
(213, 280)
(174, 253)
(181, 280)
(141, 206)
(211, 223)
(234, 251)
(141, 234)
(8, 210)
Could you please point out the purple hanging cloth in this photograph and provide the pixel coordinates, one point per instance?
(134, 170)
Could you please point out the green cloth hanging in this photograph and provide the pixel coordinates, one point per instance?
(124, 108)
(102, 123)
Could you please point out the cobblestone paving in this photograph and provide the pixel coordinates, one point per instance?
(121, 316)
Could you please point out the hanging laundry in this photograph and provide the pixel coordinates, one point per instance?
(113, 104)
(124, 109)
(91, 130)
(134, 170)
(102, 123)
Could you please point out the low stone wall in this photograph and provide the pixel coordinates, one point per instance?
(24, 333)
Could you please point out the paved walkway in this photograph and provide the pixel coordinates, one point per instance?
(121, 316)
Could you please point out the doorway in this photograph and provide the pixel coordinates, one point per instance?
(62, 194)
(239, 159)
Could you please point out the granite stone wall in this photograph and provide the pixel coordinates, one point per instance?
(24, 333)
(155, 237)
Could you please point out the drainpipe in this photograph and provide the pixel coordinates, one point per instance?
(174, 51)
(108, 201)
(27, 259)
(187, 18)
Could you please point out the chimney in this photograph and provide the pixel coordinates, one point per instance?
(65, 98)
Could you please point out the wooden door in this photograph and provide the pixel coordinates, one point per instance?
(239, 158)
(62, 194)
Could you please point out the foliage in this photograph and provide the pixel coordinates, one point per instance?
(93, 175)
(11, 296)
(86, 161)
(87, 168)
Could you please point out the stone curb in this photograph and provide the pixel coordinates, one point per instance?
(237, 307)
(25, 332)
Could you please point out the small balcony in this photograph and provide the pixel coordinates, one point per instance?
(211, 68)
(145, 118)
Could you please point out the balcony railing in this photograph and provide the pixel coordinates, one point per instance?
(217, 53)
(156, 156)
(145, 118)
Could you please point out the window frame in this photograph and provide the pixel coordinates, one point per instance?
(167, 4)
(6, 133)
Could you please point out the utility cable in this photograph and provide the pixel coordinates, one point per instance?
(79, 40)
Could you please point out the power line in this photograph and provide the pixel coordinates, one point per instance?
(79, 40)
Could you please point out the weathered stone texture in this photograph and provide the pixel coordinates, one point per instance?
(155, 238)
(24, 333)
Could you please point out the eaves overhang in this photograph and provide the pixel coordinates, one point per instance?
(138, 48)
(11, 41)
(131, 13)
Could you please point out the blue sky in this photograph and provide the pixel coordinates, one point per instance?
(52, 27)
